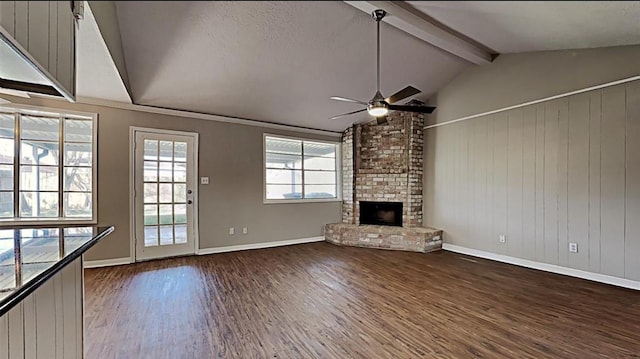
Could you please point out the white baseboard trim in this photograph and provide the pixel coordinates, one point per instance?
(242, 247)
(597, 277)
(107, 262)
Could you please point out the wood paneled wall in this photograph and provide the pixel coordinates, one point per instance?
(46, 30)
(544, 175)
(48, 323)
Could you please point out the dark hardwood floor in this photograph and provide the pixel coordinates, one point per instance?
(323, 301)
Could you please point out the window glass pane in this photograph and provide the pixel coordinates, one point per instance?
(281, 191)
(150, 236)
(282, 145)
(180, 213)
(319, 177)
(7, 277)
(284, 177)
(7, 124)
(150, 193)
(180, 234)
(150, 171)
(319, 163)
(165, 171)
(31, 270)
(166, 195)
(6, 178)
(39, 204)
(278, 160)
(39, 153)
(7, 149)
(40, 245)
(7, 260)
(180, 152)
(150, 214)
(78, 130)
(180, 172)
(180, 193)
(39, 128)
(39, 158)
(319, 191)
(166, 235)
(74, 237)
(38, 178)
(6, 204)
(78, 204)
(6, 246)
(166, 215)
(319, 149)
(77, 179)
(78, 154)
(166, 151)
(81, 232)
(151, 150)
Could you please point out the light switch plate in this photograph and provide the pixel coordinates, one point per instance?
(204, 180)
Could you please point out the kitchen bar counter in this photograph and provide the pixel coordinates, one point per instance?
(41, 290)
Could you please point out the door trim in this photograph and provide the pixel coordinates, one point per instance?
(132, 185)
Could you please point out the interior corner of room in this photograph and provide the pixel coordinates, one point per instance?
(458, 135)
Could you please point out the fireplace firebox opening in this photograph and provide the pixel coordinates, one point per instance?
(381, 213)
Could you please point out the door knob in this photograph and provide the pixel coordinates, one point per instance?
(189, 201)
(189, 191)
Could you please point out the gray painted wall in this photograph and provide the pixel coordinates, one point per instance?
(519, 78)
(561, 171)
(230, 154)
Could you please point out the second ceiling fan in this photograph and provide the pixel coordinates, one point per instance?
(379, 106)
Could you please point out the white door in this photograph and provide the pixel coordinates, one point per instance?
(165, 193)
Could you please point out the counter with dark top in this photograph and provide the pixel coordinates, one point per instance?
(30, 256)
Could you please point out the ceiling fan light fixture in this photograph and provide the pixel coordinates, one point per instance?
(379, 105)
(378, 109)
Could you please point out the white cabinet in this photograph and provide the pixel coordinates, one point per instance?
(43, 33)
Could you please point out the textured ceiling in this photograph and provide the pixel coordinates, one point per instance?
(520, 26)
(270, 61)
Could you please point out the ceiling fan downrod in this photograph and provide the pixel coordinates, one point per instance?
(378, 15)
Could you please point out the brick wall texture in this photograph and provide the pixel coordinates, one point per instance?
(383, 163)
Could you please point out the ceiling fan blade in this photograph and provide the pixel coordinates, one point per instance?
(402, 94)
(347, 100)
(346, 114)
(408, 108)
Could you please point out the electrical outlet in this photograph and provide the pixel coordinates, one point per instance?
(573, 247)
(502, 238)
(204, 180)
(232, 231)
(245, 230)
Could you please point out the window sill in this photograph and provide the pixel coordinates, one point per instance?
(308, 200)
(18, 222)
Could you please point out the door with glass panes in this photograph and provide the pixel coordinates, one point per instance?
(164, 197)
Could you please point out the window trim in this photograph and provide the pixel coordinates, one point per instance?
(58, 113)
(338, 197)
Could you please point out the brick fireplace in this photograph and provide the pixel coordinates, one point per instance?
(382, 168)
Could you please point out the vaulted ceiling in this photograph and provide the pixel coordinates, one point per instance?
(280, 62)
